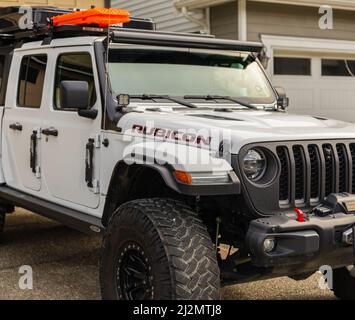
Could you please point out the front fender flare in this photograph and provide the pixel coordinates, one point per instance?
(166, 157)
(167, 173)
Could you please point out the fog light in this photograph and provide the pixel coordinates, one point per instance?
(269, 245)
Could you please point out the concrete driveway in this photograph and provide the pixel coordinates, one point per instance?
(65, 265)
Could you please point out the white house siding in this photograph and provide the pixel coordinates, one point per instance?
(162, 12)
(279, 19)
(224, 21)
(297, 21)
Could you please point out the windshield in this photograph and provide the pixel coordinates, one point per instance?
(179, 73)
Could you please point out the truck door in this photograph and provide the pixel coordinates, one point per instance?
(70, 143)
(22, 122)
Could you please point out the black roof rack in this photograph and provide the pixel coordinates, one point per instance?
(168, 39)
(33, 23)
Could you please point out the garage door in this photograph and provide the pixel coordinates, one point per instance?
(317, 84)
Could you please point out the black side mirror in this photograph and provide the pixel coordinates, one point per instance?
(282, 100)
(74, 95)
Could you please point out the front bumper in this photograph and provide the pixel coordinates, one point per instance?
(302, 246)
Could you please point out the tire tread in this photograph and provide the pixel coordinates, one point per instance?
(344, 284)
(2, 222)
(182, 239)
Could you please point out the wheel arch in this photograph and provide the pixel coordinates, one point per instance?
(128, 182)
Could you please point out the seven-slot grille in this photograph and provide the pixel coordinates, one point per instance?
(310, 172)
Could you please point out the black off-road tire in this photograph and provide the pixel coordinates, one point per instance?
(165, 246)
(344, 283)
(2, 222)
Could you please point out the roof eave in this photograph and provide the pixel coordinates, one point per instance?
(200, 4)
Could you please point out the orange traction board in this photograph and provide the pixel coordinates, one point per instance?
(100, 17)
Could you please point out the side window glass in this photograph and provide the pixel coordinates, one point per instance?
(74, 67)
(31, 81)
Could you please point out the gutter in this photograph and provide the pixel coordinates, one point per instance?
(198, 4)
(335, 4)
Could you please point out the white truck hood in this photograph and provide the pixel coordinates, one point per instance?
(243, 126)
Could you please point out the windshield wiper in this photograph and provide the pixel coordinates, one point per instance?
(166, 97)
(210, 97)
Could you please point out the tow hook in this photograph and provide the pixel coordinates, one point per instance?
(300, 215)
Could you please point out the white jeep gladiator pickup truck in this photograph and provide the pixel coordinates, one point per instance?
(177, 149)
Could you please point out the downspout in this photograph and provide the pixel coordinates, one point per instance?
(208, 19)
(205, 25)
(242, 20)
(107, 3)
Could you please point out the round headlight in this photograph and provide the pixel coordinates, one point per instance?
(254, 164)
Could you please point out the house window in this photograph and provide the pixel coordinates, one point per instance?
(75, 66)
(338, 68)
(292, 66)
(31, 81)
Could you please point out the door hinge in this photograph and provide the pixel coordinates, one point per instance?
(93, 143)
(39, 133)
(97, 139)
(38, 167)
(38, 172)
(96, 186)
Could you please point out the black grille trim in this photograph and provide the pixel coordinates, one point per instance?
(315, 172)
(318, 170)
(328, 153)
(352, 152)
(343, 168)
(300, 170)
(285, 173)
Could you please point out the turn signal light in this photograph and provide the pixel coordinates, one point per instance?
(97, 17)
(183, 176)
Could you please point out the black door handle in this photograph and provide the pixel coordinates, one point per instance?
(50, 132)
(16, 126)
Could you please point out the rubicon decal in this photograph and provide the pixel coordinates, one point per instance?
(172, 135)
